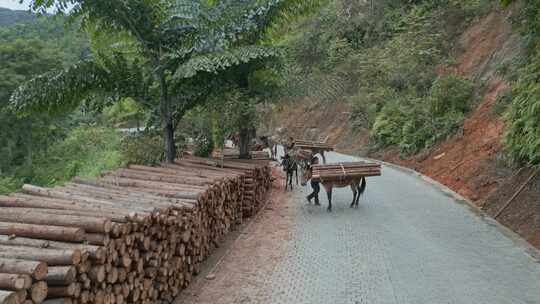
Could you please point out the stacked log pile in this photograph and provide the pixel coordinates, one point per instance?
(345, 171)
(313, 145)
(235, 154)
(256, 179)
(21, 280)
(136, 235)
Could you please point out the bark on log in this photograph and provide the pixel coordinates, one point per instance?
(37, 270)
(10, 281)
(53, 257)
(62, 291)
(38, 218)
(97, 239)
(59, 301)
(61, 276)
(8, 297)
(96, 252)
(56, 233)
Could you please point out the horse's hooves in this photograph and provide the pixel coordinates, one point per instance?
(352, 206)
(329, 209)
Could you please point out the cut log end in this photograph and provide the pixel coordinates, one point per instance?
(38, 292)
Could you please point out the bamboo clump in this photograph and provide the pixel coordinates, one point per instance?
(135, 235)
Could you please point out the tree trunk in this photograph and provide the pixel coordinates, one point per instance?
(244, 143)
(166, 119)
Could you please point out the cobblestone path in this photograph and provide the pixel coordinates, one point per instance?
(409, 242)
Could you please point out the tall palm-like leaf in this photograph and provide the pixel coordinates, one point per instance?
(178, 38)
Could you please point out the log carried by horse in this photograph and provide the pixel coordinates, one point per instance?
(340, 175)
(314, 147)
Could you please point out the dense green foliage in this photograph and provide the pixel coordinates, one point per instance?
(382, 57)
(39, 148)
(142, 148)
(198, 124)
(9, 17)
(170, 53)
(86, 151)
(522, 138)
(147, 64)
(414, 123)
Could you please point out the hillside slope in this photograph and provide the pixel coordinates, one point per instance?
(467, 161)
(10, 17)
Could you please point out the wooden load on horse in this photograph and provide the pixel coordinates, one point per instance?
(304, 155)
(310, 145)
(314, 147)
(340, 175)
(345, 171)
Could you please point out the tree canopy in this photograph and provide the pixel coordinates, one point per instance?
(165, 44)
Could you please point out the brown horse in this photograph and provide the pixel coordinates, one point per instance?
(358, 185)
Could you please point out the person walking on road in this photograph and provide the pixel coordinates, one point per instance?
(314, 185)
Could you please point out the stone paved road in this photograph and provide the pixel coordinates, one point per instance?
(407, 243)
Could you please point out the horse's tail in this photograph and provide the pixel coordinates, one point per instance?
(362, 186)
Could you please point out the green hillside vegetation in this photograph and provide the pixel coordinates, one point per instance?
(381, 57)
(10, 17)
(164, 65)
(40, 148)
(522, 138)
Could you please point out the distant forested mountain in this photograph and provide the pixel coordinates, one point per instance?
(9, 17)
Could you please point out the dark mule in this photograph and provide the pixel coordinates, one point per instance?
(291, 168)
(358, 186)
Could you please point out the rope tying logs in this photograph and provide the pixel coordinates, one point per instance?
(344, 171)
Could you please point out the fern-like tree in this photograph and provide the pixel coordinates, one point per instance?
(167, 47)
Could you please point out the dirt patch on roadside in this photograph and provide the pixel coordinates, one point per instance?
(312, 119)
(485, 45)
(520, 212)
(241, 274)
